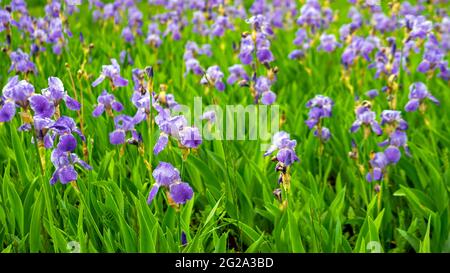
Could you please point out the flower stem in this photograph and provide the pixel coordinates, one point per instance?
(46, 190)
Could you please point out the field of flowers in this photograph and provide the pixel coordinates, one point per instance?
(224, 126)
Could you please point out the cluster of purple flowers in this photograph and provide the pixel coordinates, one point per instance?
(166, 176)
(111, 72)
(396, 127)
(313, 17)
(51, 29)
(192, 50)
(418, 92)
(176, 126)
(285, 156)
(320, 108)
(256, 43)
(45, 123)
(367, 118)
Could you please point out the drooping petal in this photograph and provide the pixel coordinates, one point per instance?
(117, 137)
(55, 177)
(160, 144)
(98, 110)
(181, 192)
(7, 112)
(268, 97)
(41, 106)
(376, 128)
(67, 174)
(219, 85)
(412, 105)
(99, 80)
(117, 106)
(67, 143)
(392, 154)
(355, 126)
(119, 81)
(152, 193)
(72, 104)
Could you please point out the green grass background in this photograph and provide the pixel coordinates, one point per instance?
(331, 207)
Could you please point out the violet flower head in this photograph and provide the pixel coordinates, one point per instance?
(190, 137)
(153, 36)
(397, 139)
(41, 106)
(263, 89)
(122, 124)
(213, 77)
(64, 163)
(14, 93)
(56, 93)
(285, 146)
(111, 72)
(418, 92)
(328, 43)
(5, 19)
(106, 102)
(373, 93)
(323, 133)
(419, 26)
(66, 125)
(20, 62)
(168, 177)
(237, 72)
(320, 107)
(366, 117)
(246, 49)
(393, 118)
(378, 165)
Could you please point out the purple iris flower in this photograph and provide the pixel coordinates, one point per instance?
(66, 125)
(262, 87)
(221, 23)
(209, 116)
(263, 52)
(433, 57)
(320, 107)
(167, 176)
(5, 19)
(41, 106)
(20, 62)
(285, 146)
(237, 72)
(397, 139)
(366, 117)
(383, 23)
(113, 73)
(106, 102)
(328, 43)
(419, 26)
(378, 165)
(246, 50)
(64, 163)
(418, 92)
(56, 93)
(213, 77)
(123, 124)
(296, 54)
(190, 137)
(373, 93)
(324, 133)
(153, 35)
(393, 118)
(14, 93)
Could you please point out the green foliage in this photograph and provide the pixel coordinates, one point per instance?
(330, 207)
